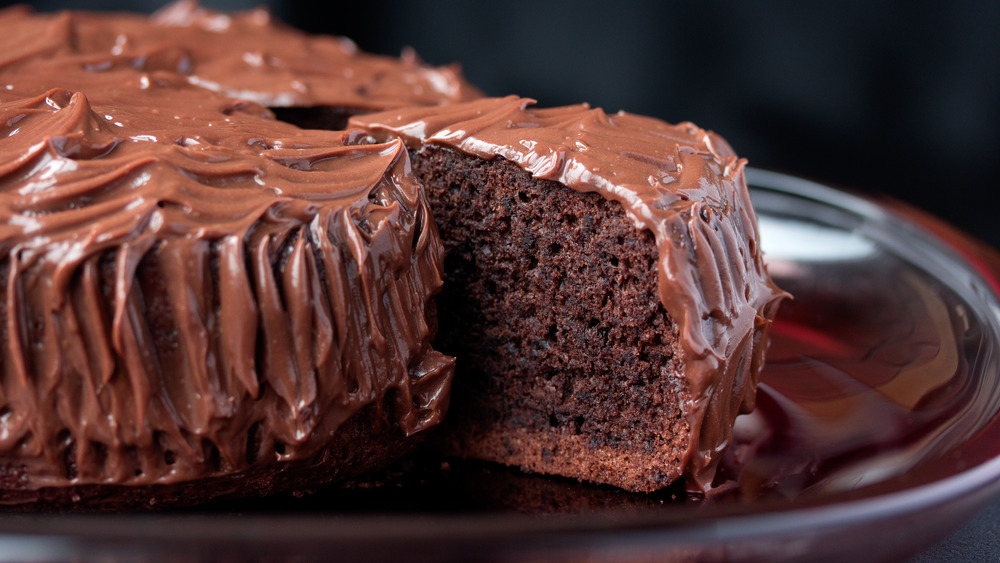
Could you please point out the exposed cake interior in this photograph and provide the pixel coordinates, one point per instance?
(605, 296)
(570, 365)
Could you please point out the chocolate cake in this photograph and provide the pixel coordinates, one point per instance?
(604, 290)
(199, 300)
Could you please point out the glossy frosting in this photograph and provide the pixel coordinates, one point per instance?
(683, 184)
(241, 54)
(184, 277)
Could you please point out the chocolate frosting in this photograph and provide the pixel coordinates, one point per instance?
(192, 288)
(245, 55)
(683, 184)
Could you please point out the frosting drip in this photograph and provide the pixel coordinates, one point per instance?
(683, 184)
(245, 55)
(192, 289)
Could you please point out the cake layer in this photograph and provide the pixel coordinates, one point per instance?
(553, 295)
(681, 185)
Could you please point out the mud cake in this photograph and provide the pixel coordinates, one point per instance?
(611, 330)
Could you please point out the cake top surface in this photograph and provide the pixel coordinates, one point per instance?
(110, 155)
(682, 183)
(245, 55)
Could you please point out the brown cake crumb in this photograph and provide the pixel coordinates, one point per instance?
(568, 361)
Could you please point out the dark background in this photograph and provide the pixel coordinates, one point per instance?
(899, 98)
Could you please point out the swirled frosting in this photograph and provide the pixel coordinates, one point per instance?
(245, 55)
(191, 288)
(683, 184)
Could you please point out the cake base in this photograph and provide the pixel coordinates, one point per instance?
(362, 444)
